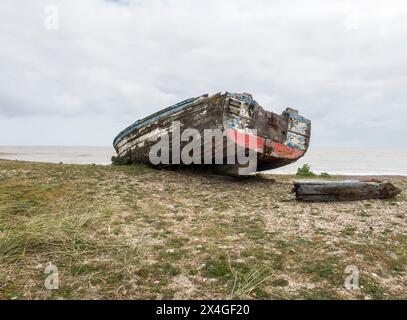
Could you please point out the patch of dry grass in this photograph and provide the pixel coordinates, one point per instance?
(134, 232)
(247, 283)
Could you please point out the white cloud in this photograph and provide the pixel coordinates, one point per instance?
(341, 63)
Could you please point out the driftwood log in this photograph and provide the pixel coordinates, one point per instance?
(345, 190)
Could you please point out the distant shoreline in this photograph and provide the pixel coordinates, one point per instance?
(359, 176)
(346, 162)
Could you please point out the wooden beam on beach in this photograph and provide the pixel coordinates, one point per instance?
(344, 190)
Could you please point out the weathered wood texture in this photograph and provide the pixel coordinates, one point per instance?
(280, 139)
(343, 190)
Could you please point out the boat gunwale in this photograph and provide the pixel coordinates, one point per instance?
(167, 111)
(142, 122)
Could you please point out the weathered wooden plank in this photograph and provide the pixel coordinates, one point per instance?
(344, 190)
(287, 134)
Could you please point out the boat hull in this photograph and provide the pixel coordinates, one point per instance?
(276, 140)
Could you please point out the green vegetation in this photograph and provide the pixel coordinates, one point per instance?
(325, 175)
(247, 283)
(305, 171)
(131, 232)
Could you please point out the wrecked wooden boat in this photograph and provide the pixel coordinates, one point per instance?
(278, 139)
(345, 190)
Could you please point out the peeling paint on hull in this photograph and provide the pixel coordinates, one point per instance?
(280, 139)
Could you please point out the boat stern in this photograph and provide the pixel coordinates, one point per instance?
(296, 139)
(280, 138)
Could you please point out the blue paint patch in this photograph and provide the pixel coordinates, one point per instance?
(243, 97)
(295, 146)
(234, 123)
(297, 117)
(296, 141)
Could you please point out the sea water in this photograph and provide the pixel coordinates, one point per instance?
(347, 161)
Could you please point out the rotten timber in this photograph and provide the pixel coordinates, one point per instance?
(345, 190)
(280, 139)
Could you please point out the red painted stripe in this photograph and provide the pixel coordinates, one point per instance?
(282, 151)
(243, 139)
(279, 150)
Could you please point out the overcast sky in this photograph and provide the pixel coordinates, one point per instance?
(103, 64)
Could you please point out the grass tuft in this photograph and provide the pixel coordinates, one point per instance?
(42, 231)
(245, 284)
